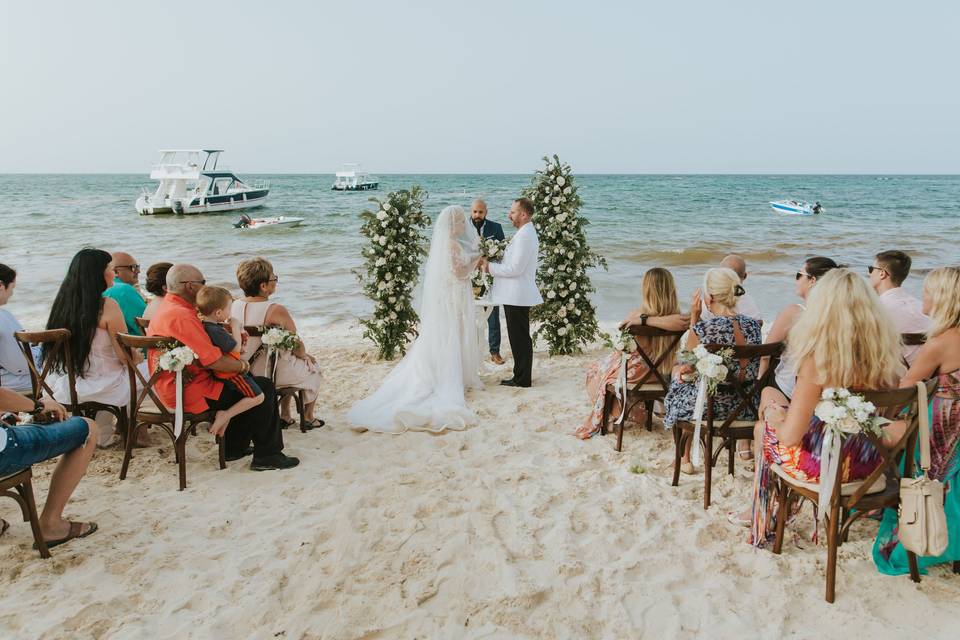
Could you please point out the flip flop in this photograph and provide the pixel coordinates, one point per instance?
(284, 423)
(75, 532)
(735, 519)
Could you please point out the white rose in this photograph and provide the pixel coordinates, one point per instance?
(573, 286)
(578, 312)
(381, 262)
(823, 410)
(392, 299)
(393, 315)
(570, 254)
(386, 206)
(381, 285)
(827, 394)
(550, 270)
(563, 312)
(570, 305)
(561, 181)
(843, 393)
(389, 276)
(555, 201)
(551, 295)
(561, 217)
(382, 240)
(562, 331)
(567, 191)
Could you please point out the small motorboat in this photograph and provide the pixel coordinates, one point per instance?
(796, 207)
(353, 178)
(246, 222)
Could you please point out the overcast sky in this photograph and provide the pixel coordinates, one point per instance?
(488, 86)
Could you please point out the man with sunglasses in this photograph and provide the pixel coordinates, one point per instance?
(126, 279)
(886, 274)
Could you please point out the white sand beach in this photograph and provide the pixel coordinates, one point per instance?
(513, 529)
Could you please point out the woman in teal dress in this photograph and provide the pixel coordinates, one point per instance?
(939, 357)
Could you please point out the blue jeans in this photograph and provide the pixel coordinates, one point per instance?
(31, 443)
(493, 330)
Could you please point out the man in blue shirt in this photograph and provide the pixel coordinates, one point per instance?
(489, 229)
(124, 290)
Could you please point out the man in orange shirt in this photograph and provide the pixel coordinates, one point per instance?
(177, 318)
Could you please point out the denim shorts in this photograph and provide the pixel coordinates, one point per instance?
(30, 443)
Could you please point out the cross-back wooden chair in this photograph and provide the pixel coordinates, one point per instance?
(652, 387)
(58, 342)
(852, 500)
(736, 425)
(143, 323)
(146, 408)
(298, 394)
(19, 486)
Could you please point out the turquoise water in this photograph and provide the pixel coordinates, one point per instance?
(686, 223)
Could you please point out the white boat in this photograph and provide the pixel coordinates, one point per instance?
(246, 222)
(796, 207)
(352, 178)
(189, 185)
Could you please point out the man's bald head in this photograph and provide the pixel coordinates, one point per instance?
(125, 267)
(478, 210)
(184, 280)
(738, 264)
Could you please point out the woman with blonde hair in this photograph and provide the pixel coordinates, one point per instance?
(845, 340)
(939, 357)
(721, 288)
(658, 308)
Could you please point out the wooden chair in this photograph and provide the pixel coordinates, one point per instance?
(652, 387)
(57, 341)
(146, 408)
(19, 486)
(733, 427)
(298, 394)
(913, 339)
(143, 323)
(852, 500)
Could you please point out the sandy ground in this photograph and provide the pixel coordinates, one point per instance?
(511, 529)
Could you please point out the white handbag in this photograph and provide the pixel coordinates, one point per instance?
(923, 522)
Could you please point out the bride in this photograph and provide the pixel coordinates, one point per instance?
(424, 392)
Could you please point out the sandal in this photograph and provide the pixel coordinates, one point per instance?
(738, 520)
(688, 468)
(284, 423)
(316, 423)
(76, 531)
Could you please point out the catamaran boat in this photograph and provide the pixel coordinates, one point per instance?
(351, 178)
(796, 207)
(189, 185)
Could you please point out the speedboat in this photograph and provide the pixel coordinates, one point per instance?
(796, 207)
(351, 178)
(246, 222)
(188, 185)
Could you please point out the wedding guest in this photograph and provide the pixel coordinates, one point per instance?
(23, 445)
(939, 357)
(887, 273)
(298, 369)
(156, 285)
(177, 318)
(658, 308)
(843, 321)
(93, 321)
(721, 291)
(124, 290)
(489, 229)
(745, 303)
(14, 373)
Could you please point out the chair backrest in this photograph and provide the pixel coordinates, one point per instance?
(895, 404)
(655, 360)
(57, 341)
(913, 339)
(257, 332)
(147, 387)
(143, 323)
(747, 389)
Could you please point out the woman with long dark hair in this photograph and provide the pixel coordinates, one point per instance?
(93, 321)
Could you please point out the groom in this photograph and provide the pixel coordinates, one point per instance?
(515, 288)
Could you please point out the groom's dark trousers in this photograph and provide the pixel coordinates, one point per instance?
(518, 330)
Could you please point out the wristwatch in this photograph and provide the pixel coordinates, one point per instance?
(643, 319)
(37, 407)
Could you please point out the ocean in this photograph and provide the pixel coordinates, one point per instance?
(686, 223)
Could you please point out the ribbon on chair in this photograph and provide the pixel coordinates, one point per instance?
(178, 412)
(273, 357)
(620, 388)
(830, 449)
(698, 408)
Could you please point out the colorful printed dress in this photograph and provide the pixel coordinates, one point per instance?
(888, 554)
(602, 373)
(858, 458)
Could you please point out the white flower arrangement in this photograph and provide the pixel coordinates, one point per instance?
(176, 359)
(848, 413)
(624, 342)
(713, 367)
(279, 338)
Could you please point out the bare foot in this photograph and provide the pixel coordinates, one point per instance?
(219, 425)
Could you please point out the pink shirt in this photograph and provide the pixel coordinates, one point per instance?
(907, 314)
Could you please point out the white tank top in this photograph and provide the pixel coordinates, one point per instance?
(786, 374)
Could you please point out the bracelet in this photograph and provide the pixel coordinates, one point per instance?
(37, 407)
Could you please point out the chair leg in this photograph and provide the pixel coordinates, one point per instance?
(620, 434)
(301, 410)
(605, 416)
(707, 468)
(25, 489)
(677, 453)
(914, 568)
(222, 451)
(844, 533)
(648, 405)
(731, 451)
(181, 449)
(833, 542)
(782, 490)
(132, 434)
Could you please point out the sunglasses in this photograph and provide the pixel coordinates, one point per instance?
(132, 267)
(871, 269)
(193, 282)
(801, 274)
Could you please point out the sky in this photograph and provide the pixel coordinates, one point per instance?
(483, 87)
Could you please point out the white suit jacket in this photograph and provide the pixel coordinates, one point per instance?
(515, 278)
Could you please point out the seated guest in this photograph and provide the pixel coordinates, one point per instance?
(721, 289)
(124, 290)
(294, 369)
(23, 445)
(93, 321)
(156, 285)
(939, 357)
(177, 318)
(842, 321)
(14, 373)
(658, 308)
(889, 270)
(745, 303)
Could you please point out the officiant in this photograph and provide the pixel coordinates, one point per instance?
(489, 229)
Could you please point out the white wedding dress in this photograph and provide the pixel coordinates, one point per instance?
(425, 391)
